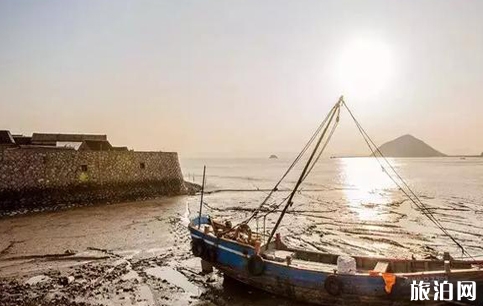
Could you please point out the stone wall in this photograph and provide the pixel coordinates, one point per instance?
(39, 177)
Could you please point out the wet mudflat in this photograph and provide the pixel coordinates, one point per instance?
(123, 254)
(139, 254)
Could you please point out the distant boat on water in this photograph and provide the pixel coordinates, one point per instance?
(273, 156)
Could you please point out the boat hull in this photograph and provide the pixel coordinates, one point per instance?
(307, 285)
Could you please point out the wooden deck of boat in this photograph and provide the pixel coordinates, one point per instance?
(365, 265)
(281, 256)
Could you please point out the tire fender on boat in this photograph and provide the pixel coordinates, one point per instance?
(198, 247)
(256, 265)
(333, 285)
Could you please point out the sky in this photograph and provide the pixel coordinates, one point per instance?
(242, 78)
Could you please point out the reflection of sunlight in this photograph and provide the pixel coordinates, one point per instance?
(365, 187)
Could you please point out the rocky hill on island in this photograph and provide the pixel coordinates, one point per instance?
(408, 146)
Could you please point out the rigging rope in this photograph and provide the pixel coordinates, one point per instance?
(275, 188)
(416, 200)
(325, 144)
(332, 113)
(408, 192)
(299, 156)
(312, 165)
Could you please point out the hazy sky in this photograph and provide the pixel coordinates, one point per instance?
(241, 77)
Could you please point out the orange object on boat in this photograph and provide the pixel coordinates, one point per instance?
(389, 280)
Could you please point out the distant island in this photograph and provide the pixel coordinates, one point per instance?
(273, 156)
(409, 146)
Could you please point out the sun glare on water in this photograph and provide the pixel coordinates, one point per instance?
(366, 187)
(364, 67)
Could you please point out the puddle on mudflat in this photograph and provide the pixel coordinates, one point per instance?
(38, 279)
(193, 263)
(130, 275)
(146, 296)
(174, 277)
(185, 219)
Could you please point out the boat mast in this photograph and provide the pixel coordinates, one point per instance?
(332, 113)
(202, 193)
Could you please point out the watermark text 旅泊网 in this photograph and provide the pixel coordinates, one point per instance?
(443, 291)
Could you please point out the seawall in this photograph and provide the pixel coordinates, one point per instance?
(42, 177)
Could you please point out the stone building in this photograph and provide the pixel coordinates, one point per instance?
(6, 140)
(56, 169)
(48, 139)
(95, 145)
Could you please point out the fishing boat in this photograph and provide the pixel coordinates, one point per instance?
(323, 278)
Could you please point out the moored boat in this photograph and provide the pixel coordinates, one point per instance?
(313, 276)
(324, 278)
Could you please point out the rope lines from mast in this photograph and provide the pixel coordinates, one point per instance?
(296, 160)
(314, 162)
(408, 192)
(325, 144)
(275, 188)
(335, 110)
(276, 207)
(317, 153)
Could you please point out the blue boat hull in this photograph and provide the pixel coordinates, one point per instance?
(306, 285)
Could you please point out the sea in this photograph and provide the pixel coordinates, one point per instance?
(353, 205)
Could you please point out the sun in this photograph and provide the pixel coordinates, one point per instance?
(364, 67)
